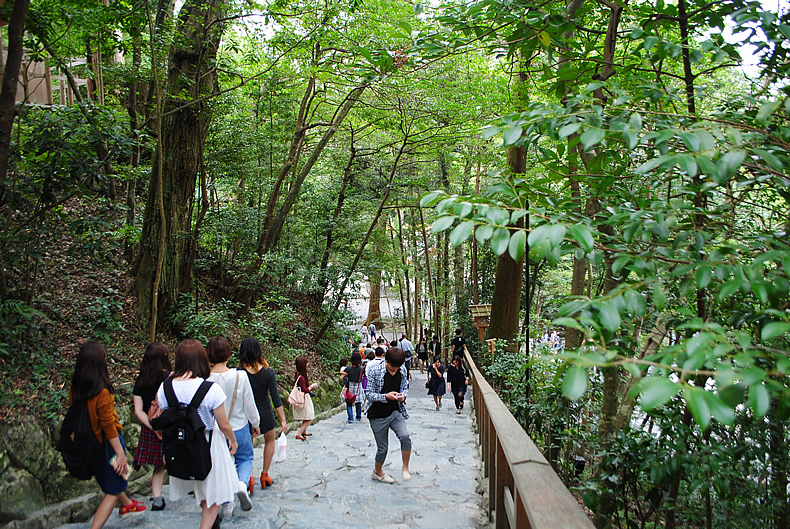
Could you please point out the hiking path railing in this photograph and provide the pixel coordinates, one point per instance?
(524, 491)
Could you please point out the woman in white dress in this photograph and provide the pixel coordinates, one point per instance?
(220, 486)
(242, 414)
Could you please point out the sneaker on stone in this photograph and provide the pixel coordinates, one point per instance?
(384, 478)
(135, 508)
(244, 497)
(227, 510)
(158, 504)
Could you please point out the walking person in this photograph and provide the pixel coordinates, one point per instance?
(353, 384)
(435, 348)
(458, 343)
(264, 387)
(221, 484)
(372, 330)
(242, 414)
(408, 349)
(306, 413)
(458, 378)
(388, 387)
(91, 384)
(422, 354)
(436, 383)
(154, 369)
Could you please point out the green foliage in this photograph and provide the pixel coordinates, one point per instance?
(202, 321)
(101, 316)
(21, 329)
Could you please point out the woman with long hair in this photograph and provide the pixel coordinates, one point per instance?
(264, 389)
(220, 486)
(154, 369)
(242, 414)
(91, 384)
(306, 413)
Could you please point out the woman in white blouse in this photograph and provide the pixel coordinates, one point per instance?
(242, 413)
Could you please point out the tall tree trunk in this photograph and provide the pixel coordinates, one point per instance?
(348, 177)
(407, 306)
(191, 76)
(357, 258)
(506, 299)
(131, 107)
(15, 53)
(374, 303)
(272, 235)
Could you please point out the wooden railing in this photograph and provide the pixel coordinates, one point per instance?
(524, 491)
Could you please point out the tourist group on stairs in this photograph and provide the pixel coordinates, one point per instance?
(199, 417)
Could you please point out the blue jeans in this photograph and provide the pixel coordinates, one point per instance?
(350, 410)
(244, 455)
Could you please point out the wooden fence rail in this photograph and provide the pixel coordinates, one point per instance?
(524, 491)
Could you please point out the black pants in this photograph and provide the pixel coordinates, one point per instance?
(458, 395)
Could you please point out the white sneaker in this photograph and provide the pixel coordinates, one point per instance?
(227, 510)
(385, 478)
(406, 475)
(244, 497)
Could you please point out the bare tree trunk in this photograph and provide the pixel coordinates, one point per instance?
(204, 205)
(374, 303)
(15, 53)
(348, 177)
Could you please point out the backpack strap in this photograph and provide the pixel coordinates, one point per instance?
(170, 395)
(200, 393)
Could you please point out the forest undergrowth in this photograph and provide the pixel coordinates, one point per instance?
(80, 292)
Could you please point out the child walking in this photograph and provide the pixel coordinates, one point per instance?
(91, 384)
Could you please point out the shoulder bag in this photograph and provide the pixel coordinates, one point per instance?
(296, 397)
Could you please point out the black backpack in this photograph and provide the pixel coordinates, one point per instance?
(82, 452)
(187, 451)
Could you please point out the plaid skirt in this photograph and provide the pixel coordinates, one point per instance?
(149, 450)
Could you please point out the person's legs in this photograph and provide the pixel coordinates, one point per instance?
(458, 396)
(303, 428)
(245, 454)
(359, 410)
(105, 510)
(157, 479)
(436, 400)
(398, 425)
(350, 411)
(268, 450)
(380, 428)
(208, 515)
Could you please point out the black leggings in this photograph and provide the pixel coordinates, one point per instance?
(458, 395)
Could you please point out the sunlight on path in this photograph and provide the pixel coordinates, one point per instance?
(326, 481)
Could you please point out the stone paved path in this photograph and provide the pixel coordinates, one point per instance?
(326, 483)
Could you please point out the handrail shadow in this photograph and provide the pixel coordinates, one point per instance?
(524, 491)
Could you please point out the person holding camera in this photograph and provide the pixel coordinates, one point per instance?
(388, 386)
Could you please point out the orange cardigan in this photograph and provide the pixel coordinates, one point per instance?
(104, 419)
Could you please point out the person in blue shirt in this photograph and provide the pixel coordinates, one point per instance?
(388, 386)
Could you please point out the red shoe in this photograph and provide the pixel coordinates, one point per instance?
(135, 508)
(266, 481)
(251, 485)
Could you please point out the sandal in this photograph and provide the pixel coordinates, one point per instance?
(307, 433)
(301, 438)
(251, 486)
(266, 481)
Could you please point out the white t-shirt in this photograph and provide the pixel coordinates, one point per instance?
(186, 389)
(244, 410)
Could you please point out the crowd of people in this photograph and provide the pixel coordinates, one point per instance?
(239, 404)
